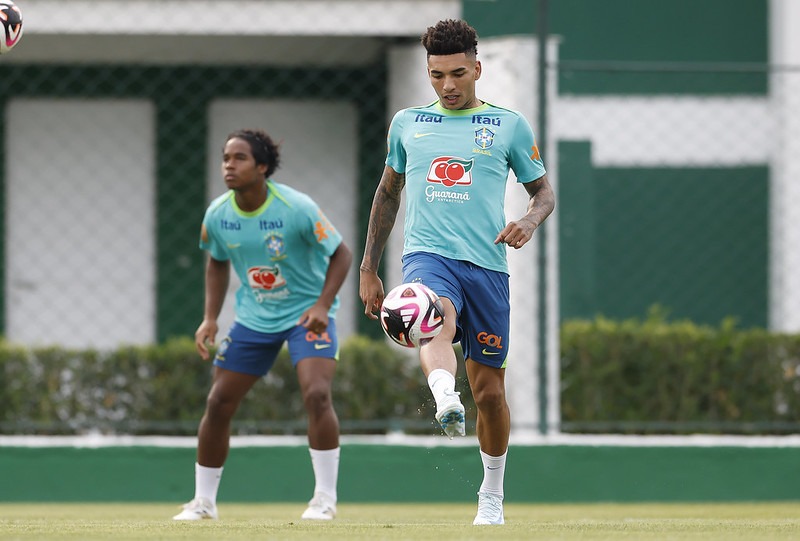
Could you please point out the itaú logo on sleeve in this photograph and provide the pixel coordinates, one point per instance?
(451, 171)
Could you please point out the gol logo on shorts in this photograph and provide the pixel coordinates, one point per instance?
(491, 340)
(314, 337)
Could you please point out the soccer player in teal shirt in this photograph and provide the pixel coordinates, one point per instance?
(291, 263)
(453, 157)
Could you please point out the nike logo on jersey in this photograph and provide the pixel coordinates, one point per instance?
(418, 135)
(234, 246)
(490, 352)
(321, 346)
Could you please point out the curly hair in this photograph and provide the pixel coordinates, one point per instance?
(450, 37)
(265, 150)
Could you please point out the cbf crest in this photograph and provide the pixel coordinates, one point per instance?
(275, 246)
(484, 137)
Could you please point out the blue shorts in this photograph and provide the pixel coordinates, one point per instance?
(480, 297)
(251, 352)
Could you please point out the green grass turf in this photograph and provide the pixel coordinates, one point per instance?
(440, 522)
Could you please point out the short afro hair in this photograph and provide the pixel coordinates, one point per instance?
(450, 37)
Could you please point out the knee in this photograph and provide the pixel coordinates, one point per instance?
(218, 406)
(317, 397)
(489, 398)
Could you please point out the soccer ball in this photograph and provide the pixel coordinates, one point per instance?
(11, 19)
(412, 314)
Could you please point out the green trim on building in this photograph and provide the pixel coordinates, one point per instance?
(693, 240)
(643, 46)
(654, 47)
(501, 17)
(658, 31)
(181, 129)
(577, 224)
(378, 473)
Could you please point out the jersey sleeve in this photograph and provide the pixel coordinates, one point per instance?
(396, 153)
(318, 231)
(525, 160)
(209, 241)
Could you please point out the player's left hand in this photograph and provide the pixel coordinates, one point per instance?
(315, 319)
(516, 234)
(370, 289)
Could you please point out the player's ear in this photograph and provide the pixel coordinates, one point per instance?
(478, 69)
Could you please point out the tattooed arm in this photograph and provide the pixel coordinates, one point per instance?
(385, 205)
(542, 202)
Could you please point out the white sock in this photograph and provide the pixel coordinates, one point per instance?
(326, 470)
(494, 469)
(206, 482)
(442, 383)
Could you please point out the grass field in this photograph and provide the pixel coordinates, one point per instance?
(442, 522)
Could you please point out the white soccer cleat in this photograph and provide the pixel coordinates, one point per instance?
(490, 510)
(198, 509)
(450, 416)
(321, 507)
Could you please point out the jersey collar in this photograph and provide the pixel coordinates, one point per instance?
(460, 112)
(272, 194)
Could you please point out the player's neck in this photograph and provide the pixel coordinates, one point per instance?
(475, 103)
(252, 198)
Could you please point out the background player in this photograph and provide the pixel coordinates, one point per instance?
(453, 157)
(291, 262)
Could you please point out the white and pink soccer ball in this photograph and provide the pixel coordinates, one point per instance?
(411, 315)
(11, 25)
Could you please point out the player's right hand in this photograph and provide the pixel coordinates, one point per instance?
(205, 337)
(370, 289)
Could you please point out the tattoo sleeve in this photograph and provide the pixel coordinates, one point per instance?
(542, 200)
(385, 205)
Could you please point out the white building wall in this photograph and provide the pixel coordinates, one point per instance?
(785, 187)
(80, 215)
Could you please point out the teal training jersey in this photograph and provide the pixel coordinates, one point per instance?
(280, 253)
(456, 164)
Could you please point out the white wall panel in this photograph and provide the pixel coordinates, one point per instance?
(80, 247)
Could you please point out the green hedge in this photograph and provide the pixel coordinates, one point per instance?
(162, 390)
(634, 376)
(655, 376)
